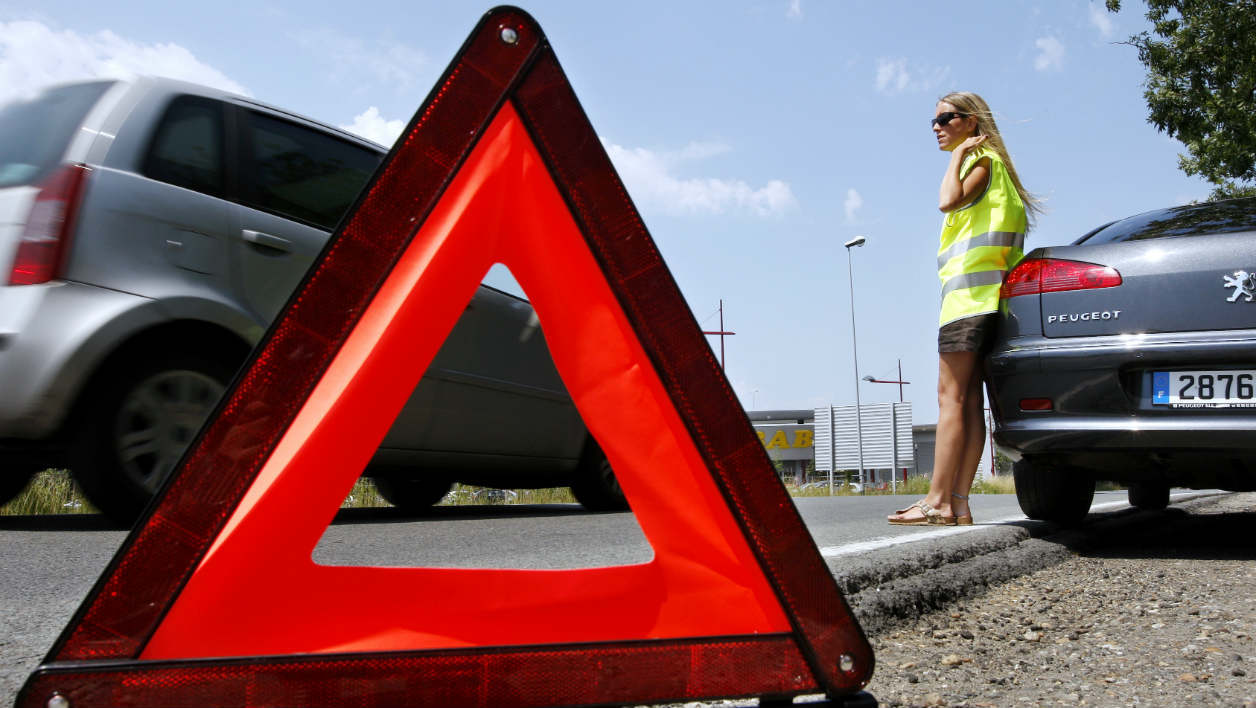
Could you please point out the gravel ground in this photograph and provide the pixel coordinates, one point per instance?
(1160, 614)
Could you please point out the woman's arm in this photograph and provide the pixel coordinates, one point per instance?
(955, 192)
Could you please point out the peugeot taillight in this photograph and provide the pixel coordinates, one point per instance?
(1035, 276)
(46, 237)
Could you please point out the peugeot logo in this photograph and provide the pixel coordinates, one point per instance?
(1084, 316)
(1244, 285)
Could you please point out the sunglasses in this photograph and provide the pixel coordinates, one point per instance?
(944, 118)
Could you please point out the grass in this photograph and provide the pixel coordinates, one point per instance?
(54, 492)
(918, 485)
(1003, 484)
(49, 492)
(365, 495)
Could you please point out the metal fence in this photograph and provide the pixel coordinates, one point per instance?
(887, 437)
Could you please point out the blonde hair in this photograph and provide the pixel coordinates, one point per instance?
(970, 104)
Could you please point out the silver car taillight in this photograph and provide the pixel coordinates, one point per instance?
(46, 236)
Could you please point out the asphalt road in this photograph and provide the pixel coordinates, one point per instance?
(565, 536)
(47, 564)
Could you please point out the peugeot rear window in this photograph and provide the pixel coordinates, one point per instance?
(34, 134)
(1191, 220)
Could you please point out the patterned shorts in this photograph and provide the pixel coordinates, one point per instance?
(970, 334)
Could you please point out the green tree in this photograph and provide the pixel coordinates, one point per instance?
(1201, 86)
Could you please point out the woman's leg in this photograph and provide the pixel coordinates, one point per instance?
(974, 443)
(956, 371)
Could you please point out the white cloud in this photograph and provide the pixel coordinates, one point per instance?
(1101, 19)
(1050, 54)
(352, 58)
(652, 180)
(372, 126)
(34, 55)
(895, 76)
(700, 151)
(892, 76)
(795, 10)
(853, 204)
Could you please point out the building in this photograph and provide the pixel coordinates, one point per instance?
(789, 437)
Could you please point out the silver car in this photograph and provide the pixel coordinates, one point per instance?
(151, 230)
(1130, 356)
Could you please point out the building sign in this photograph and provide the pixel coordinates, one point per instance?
(786, 442)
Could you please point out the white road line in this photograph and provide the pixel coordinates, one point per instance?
(888, 541)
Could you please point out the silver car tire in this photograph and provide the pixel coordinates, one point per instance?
(596, 487)
(14, 476)
(414, 494)
(138, 430)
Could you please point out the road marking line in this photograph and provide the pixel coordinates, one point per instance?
(889, 541)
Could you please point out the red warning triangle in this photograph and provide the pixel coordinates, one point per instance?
(214, 598)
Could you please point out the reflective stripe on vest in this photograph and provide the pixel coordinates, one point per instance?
(979, 243)
(994, 238)
(973, 280)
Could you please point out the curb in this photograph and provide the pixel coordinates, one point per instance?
(893, 585)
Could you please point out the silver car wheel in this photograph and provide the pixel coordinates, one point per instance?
(158, 419)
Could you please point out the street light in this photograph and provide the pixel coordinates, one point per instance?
(900, 380)
(854, 342)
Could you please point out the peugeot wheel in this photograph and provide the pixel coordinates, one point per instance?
(1149, 496)
(1050, 491)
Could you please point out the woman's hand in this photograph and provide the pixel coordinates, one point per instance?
(969, 144)
(955, 192)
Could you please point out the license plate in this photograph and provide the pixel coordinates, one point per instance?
(1204, 389)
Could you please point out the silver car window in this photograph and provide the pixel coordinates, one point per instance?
(34, 134)
(302, 173)
(187, 147)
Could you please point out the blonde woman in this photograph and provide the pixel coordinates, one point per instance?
(987, 213)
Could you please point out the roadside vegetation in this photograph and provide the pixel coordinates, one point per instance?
(917, 485)
(54, 492)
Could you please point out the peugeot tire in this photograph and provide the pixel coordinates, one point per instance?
(1051, 491)
(1149, 496)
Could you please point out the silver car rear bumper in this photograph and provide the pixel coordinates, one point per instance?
(66, 330)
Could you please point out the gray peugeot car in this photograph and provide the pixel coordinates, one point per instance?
(150, 230)
(1130, 356)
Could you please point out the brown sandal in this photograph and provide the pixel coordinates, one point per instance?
(930, 516)
(966, 519)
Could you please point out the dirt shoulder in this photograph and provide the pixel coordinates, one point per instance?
(1158, 613)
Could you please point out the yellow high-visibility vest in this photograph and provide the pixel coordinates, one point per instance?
(980, 242)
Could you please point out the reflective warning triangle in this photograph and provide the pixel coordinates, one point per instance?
(214, 598)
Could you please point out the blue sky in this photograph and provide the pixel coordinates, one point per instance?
(755, 137)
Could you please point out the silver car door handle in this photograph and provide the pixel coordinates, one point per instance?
(265, 239)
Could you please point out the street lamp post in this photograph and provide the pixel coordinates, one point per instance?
(894, 421)
(854, 342)
(900, 381)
